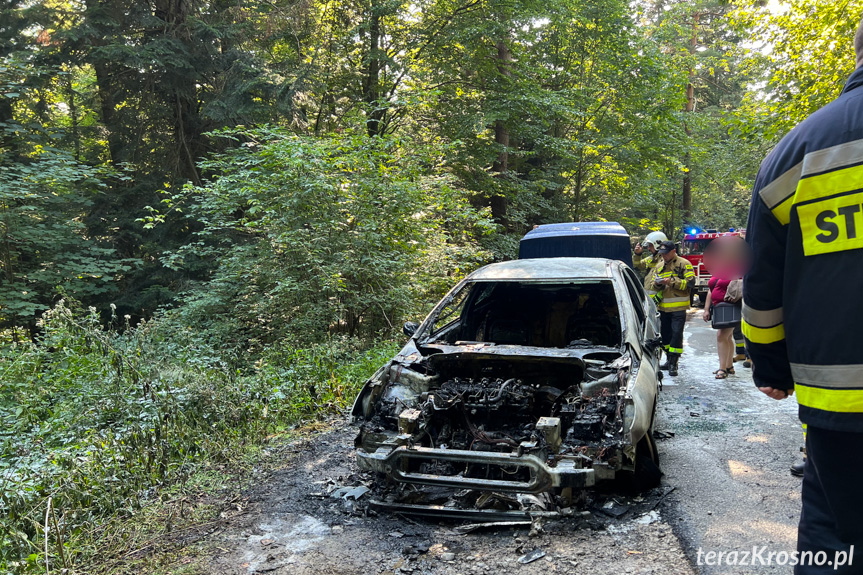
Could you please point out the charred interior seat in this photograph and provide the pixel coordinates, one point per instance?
(596, 321)
(507, 321)
(512, 331)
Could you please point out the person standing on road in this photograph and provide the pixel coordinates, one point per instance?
(716, 290)
(672, 278)
(805, 233)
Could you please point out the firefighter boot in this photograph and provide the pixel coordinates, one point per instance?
(798, 468)
(672, 363)
(667, 365)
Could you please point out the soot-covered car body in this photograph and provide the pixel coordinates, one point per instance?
(531, 376)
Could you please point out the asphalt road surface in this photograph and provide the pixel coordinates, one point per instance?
(728, 460)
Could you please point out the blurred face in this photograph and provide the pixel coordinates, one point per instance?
(727, 257)
(652, 248)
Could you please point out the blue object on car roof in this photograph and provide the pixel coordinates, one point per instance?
(578, 240)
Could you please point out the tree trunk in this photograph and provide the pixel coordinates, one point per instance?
(371, 88)
(689, 107)
(501, 132)
(107, 85)
(188, 135)
(576, 189)
(106, 89)
(188, 132)
(498, 203)
(73, 116)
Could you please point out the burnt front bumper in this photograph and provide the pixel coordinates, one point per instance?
(396, 461)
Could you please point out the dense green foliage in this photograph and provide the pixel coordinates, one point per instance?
(93, 419)
(310, 236)
(809, 58)
(214, 217)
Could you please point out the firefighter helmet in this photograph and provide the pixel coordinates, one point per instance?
(655, 238)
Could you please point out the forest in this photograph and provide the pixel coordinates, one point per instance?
(216, 216)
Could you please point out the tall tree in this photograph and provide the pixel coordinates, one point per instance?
(702, 41)
(562, 95)
(803, 51)
(165, 74)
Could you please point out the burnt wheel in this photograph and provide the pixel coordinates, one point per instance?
(647, 448)
(647, 473)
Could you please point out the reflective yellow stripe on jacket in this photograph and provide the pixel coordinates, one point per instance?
(825, 190)
(674, 303)
(763, 326)
(837, 388)
(688, 277)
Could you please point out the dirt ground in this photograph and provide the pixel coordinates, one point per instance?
(305, 520)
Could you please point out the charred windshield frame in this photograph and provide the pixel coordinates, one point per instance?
(542, 300)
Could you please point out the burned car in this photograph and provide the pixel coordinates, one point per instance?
(533, 376)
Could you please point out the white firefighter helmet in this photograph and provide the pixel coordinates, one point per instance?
(655, 238)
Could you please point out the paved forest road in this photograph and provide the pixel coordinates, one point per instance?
(728, 460)
(726, 488)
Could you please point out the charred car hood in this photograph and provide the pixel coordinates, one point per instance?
(483, 360)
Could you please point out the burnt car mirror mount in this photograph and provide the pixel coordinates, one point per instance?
(410, 328)
(653, 344)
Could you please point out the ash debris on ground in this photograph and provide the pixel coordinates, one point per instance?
(316, 517)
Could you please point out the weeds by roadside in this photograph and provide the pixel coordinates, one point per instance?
(98, 424)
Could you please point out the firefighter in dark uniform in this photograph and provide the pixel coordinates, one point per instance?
(805, 232)
(671, 281)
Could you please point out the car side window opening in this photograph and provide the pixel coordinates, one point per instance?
(636, 294)
(534, 314)
(451, 313)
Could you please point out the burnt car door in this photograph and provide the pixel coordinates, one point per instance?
(644, 381)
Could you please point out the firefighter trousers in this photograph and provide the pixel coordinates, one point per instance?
(671, 328)
(830, 522)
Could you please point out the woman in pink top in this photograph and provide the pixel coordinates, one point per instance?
(716, 289)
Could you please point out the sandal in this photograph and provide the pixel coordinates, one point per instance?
(721, 373)
(729, 370)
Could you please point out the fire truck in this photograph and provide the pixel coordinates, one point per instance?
(693, 247)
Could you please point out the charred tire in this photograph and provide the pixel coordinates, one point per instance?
(647, 473)
(647, 447)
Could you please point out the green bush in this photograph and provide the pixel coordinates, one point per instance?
(94, 419)
(311, 237)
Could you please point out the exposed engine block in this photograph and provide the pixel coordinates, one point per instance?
(484, 394)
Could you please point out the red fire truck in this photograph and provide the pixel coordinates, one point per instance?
(693, 248)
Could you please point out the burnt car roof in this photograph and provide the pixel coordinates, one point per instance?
(546, 269)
